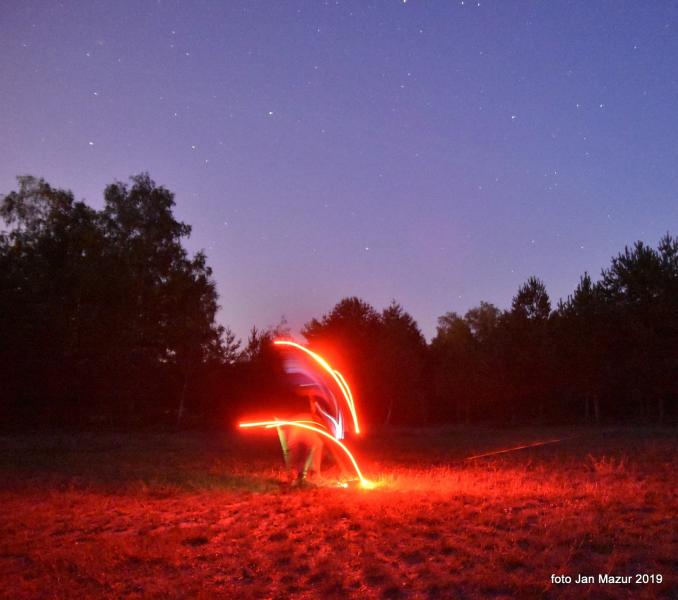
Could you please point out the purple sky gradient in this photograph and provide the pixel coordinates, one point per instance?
(438, 153)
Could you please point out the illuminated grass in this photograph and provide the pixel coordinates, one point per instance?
(200, 516)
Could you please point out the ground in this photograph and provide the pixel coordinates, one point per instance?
(203, 515)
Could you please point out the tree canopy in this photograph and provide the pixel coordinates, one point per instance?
(105, 319)
(104, 314)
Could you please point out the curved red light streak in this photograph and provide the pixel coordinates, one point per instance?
(338, 377)
(347, 394)
(304, 425)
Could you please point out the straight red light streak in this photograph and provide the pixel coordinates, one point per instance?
(535, 444)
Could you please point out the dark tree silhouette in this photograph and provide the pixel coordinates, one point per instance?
(402, 357)
(526, 350)
(641, 291)
(580, 332)
(105, 319)
(466, 365)
(453, 362)
(348, 337)
(106, 313)
(382, 355)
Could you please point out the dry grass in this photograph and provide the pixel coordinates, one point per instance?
(174, 516)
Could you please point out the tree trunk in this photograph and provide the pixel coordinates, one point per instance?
(182, 399)
(387, 421)
(596, 408)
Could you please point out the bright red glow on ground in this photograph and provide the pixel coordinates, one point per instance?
(336, 375)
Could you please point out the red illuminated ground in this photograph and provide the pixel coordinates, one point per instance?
(197, 515)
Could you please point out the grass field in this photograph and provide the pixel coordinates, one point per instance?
(201, 515)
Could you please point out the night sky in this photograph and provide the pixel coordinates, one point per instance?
(438, 153)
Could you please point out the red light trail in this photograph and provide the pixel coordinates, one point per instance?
(535, 444)
(305, 425)
(314, 426)
(336, 375)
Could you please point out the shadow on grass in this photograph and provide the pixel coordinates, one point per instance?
(153, 465)
(205, 481)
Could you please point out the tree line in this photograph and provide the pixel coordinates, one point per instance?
(105, 320)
